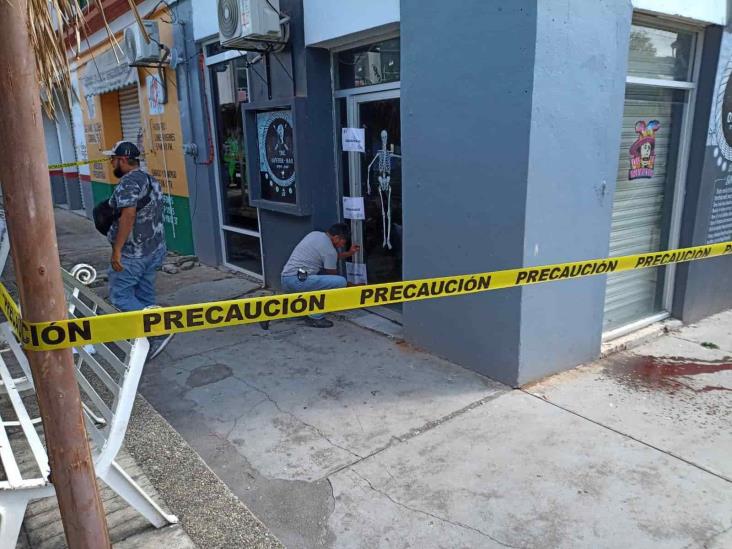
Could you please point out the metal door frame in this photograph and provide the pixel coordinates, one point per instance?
(222, 227)
(682, 164)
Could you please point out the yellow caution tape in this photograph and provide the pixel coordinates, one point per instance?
(203, 316)
(81, 163)
(10, 310)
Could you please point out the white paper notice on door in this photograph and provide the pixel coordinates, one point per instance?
(354, 139)
(356, 273)
(353, 207)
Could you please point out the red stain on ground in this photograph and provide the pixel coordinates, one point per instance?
(648, 372)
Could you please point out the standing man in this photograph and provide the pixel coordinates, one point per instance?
(313, 265)
(137, 236)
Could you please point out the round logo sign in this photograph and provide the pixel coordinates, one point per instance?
(727, 113)
(723, 115)
(279, 151)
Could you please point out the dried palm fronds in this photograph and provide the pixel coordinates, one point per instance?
(53, 26)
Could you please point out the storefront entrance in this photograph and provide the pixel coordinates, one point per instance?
(367, 99)
(652, 169)
(376, 175)
(239, 222)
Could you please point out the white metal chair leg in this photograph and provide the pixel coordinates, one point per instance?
(12, 511)
(95, 418)
(122, 483)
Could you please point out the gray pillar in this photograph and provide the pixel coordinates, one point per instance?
(576, 122)
(197, 122)
(511, 117)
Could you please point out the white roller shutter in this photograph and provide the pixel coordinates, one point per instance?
(638, 209)
(129, 113)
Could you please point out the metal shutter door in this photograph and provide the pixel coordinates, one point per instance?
(129, 113)
(638, 210)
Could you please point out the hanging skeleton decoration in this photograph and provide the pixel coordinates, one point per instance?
(383, 169)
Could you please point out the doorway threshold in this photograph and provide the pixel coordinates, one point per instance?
(381, 320)
(642, 333)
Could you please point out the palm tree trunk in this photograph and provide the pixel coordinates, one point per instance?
(29, 213)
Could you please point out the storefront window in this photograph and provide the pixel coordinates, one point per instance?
(230, 83)
(243, 251)
(661, 54)
(646, 196)
(369, 65)
(239, 220)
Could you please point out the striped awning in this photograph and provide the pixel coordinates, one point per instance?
(107, 72)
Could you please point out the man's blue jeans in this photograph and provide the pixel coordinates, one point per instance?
(292, 285)
(133, 288)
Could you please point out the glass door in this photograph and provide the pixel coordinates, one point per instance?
(239, 222)
(376, 175)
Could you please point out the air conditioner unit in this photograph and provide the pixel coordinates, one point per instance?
(369, 68)
(249, 24)
(137, 50)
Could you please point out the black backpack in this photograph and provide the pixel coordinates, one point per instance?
(105, 214)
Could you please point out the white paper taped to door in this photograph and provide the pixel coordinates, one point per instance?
(353, 207)
(356, 273)
(354, 139)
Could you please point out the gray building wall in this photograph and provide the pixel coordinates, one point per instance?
(67, 148)
(58, 189)
(296, 72)
(300, 72)
(704, 287)
(576, 121)
(466, 119)
(510, 153)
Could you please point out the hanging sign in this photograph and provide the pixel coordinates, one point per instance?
(276, 156)
(643, 150)
(354, 139)
(353, 207)
(356, 273)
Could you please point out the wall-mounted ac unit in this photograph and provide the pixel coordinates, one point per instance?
(137, 50)
(369, 68)
(249, 24)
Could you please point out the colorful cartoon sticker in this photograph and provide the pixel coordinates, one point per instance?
(643, 151)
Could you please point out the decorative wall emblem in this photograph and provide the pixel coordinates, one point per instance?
(643, 151)
(720, 128)
(276, 155)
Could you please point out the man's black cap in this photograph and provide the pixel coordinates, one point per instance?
(124, 148)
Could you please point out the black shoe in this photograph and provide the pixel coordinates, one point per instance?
(318, 322)
(264, 325)
(158, 345)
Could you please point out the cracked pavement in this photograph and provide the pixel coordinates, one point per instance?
(283, 425)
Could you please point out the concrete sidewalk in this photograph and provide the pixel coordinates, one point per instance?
(346, 438)
(210, 515)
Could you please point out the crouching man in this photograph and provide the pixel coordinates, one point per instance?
(313, 265)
